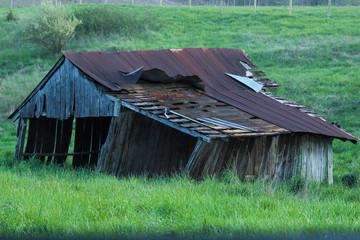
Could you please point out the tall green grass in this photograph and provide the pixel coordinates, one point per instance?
(49, 200)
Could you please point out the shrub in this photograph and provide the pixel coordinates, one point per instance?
(108, 19)
(51, 27)
(11, 16)
(349, 180)
(297, 184)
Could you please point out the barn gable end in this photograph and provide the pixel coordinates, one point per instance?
(67, 92)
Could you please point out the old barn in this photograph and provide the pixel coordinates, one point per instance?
(192, 110)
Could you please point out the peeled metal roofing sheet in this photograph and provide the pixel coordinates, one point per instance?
(210, 66)
(247, 81)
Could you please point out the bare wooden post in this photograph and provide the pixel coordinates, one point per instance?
(11, 4)
(254, 6)
(330, 162)
(160, 2)
(189, 3)
(106, 1)
(221, 5)
(19, 149)
(304, 155)
(132, 2)
(33, 3)
(80, 1)
(290, 7)
(329, 5)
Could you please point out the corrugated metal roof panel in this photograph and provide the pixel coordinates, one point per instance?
(210, 66)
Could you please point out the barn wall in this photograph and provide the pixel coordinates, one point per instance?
(317, 157)
(137, 144)
(49, 139)
(67, 93)
(275, 157)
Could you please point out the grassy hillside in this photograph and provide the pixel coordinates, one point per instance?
(316, 60)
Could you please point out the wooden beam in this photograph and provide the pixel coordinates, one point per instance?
(19, 149)
(330, 162)
(193, 154)
(165, 121)
(61, 154)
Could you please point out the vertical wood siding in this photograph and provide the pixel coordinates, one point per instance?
(67, 93)
(138, 145)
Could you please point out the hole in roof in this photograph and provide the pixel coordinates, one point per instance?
(193, 102)
(178, 103)
(159, 76)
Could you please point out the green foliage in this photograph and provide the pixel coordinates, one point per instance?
(48, 200)
(297, 184)
(51, 27)
(11, 16)
(349, 180)
(106, 19)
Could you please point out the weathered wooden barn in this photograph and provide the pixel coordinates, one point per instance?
(193, 110)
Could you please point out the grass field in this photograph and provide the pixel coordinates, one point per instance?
(316, 60)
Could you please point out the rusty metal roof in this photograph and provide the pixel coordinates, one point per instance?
(210, 66)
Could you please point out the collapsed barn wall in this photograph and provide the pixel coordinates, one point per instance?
(137, 144)
(279, 157)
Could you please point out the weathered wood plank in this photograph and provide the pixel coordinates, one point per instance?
(296, 154)
(32, 135)
(39, 106)
(330, 161)
(62, 91)
(57, 91)
(77, 94)
(61, 154)
(87, 95)
(67, 80)
(71, 83)
(59, 134)
(66, 138)
(305, 155)
(19, 149)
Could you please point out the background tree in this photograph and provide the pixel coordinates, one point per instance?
(50, 27)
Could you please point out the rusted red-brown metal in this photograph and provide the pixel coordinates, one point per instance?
(209, 65)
